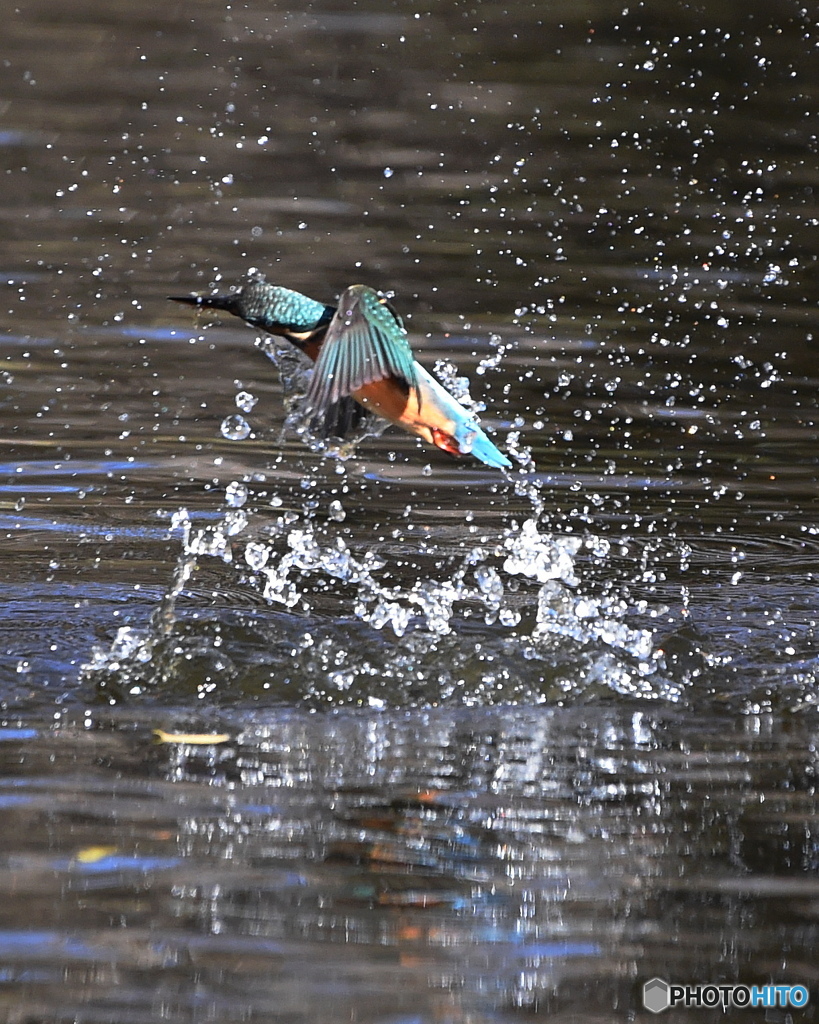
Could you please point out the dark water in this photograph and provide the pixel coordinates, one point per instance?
(491, 747)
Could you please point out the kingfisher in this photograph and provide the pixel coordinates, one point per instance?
(363, 363)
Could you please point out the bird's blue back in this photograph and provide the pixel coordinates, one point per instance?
(269, 306)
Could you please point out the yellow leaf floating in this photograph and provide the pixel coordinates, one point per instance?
(194, 739)
(92, 854)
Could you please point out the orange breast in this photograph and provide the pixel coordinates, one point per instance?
(417, 413)
(311, 349)
(385, 398)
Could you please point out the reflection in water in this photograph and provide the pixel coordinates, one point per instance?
(445, 865)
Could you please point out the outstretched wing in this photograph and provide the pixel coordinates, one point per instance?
(365, 342)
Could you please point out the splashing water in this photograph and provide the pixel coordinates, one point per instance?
(458, 386)
(523, 585)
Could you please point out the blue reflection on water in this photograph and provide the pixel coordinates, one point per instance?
(121, 862)
(10, 800)
(70, 467)
(17, 734)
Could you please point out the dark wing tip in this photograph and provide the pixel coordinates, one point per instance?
(338, 419)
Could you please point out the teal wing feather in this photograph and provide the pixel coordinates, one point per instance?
(365, 342)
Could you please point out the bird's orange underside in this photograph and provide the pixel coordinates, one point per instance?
(311, 349)
(388, 399)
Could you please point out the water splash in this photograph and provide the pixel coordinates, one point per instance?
(516, 599)
(457, 385)
(525, 587)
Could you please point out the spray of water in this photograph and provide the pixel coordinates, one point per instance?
(525, 586)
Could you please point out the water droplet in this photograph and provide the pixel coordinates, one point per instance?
(180, 520)
(256, 555)
(236, 494)
(235, 428)
(509, 617)
(489, 583)
(245, 401)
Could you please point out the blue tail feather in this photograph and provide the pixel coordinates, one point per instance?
(479, 445)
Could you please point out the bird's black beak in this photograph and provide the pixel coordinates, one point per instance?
(226, 302)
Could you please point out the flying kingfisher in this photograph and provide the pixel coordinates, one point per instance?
(364, 363)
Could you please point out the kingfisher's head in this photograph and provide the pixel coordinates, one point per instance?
(270, 307)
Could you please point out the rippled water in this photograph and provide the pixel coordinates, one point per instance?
(440, 742)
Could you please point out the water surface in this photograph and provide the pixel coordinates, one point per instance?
(488, 746)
